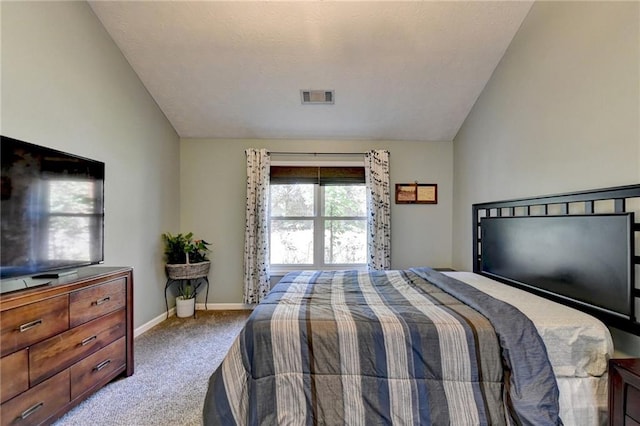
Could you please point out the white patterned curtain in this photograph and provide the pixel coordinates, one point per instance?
(256, 238)
(376, 171)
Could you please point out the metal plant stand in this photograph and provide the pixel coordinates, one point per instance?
(194, 274)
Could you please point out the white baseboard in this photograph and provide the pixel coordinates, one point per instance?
(199, 306)
(157, 320)
(224, 306)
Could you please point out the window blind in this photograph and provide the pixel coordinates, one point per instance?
(316, 174)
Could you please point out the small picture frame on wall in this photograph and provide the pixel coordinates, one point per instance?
(416, 193)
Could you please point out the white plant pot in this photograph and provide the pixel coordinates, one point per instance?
(185, 307)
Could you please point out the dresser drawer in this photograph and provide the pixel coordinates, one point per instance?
(92, 302)
(632, 402)
(14, 374)
(59, 352)
(628, 421)
(31, 323)
(38, 403)
(97, 367)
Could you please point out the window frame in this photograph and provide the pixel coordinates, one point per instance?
(319, 221)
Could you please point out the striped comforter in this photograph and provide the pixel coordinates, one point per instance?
(392, 347)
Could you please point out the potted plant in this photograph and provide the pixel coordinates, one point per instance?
(186, 260)
(186, 300)
(186, 257)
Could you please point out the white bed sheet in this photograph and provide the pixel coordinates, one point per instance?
(579, 347)
(584, 400)
(578, 344)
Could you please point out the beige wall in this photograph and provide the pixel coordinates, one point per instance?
(213, 187)
(66, 85)
(560, 113)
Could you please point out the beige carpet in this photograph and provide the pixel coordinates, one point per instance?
(173, 362)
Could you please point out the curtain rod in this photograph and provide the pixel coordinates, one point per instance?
(314, 153)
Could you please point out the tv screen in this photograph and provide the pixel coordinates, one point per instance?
(583, 258)
(52, 210)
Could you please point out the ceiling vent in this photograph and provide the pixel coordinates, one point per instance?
(314, 97)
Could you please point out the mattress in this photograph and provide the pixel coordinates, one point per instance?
(578, 345)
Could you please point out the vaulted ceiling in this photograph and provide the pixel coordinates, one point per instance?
(400, 70)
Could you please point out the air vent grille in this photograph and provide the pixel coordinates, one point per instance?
(317, 97)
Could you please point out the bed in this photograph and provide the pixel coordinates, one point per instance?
(419, 346)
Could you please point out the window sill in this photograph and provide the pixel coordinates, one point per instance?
(281, 272)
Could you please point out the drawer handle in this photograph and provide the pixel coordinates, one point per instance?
(29, 411)
(102, 365)
(101, 301)
(88, 340)
(29, 325)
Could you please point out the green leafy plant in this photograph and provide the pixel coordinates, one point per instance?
(178, 247)
(186, 290)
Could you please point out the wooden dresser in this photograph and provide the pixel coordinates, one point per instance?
(63, 341)
(624, 392)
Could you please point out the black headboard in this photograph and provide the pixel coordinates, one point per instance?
(577, 249)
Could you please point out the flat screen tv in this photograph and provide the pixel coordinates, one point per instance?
(52, 210)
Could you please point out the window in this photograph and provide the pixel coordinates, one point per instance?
(318, 218)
